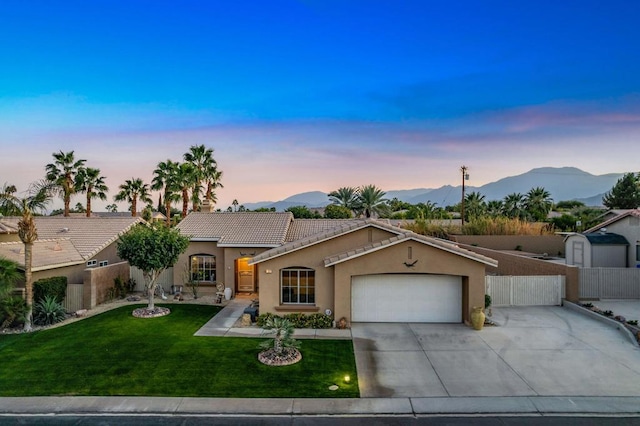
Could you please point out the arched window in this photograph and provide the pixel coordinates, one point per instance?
(203, 268)
(298, 286)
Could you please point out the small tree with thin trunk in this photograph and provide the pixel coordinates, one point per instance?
(152, 249)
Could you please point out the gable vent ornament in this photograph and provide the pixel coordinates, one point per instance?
(411, 265)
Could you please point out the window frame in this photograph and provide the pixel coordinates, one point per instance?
(103, 263)
(91, 263)
(207, 272)
(304, 286)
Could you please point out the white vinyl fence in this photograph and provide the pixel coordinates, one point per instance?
(73, 298)
(165, 279)
(609, 283)
(525, 290)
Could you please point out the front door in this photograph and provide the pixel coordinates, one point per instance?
(245, 276)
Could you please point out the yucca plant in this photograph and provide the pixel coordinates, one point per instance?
(283, 330)
(48, 311)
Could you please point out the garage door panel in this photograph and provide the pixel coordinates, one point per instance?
(406, 298)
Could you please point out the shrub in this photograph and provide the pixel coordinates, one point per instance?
(48, 311)
(299, 320)
(632, 322)
(121, 287)
(487, 301)
(13, 310)
(55, 287)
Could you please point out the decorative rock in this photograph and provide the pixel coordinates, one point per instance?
(133, 299)
(81, 313)
(287, 357)
(151, 313)
(246, 320)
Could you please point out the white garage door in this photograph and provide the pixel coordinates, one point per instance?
(406, 298)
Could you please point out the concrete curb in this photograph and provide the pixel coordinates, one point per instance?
(526, 405)
(608, 321)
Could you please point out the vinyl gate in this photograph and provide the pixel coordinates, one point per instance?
(525, 290)
(165, 279)
(609, 283)
(73, 299)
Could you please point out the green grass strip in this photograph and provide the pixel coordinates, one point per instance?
(116, 354)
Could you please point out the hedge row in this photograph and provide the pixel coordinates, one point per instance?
(300, 320)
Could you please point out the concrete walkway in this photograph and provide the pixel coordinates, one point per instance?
(225, 324)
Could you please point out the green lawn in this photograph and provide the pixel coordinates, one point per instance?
(116, 354)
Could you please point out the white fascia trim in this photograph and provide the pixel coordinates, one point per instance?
(209, 240)
(236, 245)
(465, 255)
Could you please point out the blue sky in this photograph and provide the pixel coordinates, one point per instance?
(312, 95)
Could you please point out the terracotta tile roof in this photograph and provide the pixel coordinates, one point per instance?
(8, 228)
(627, 213)
(343, 228)
(238, 229)
(433, 242)
(89, 235)
(302, 228)
(47, 254)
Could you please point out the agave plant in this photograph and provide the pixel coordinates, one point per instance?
(48, 311)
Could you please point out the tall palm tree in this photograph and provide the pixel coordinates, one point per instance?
(184, 177)
(132, 190)
(371, 201)
(165, 178)
(7, 207)
(346, 196)
(38, 198)
(201, 158)
(62, 175)
(513, 205)
(475, 205)
(538, 203)
(91, 183)
(213, 177)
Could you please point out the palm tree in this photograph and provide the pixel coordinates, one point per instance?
(7, 207)
(62, 175)
(184, 177)
(38, 198)
(513, 205)
(538, 203)
(112, 208)
(91, 183)
(234, 203)
(371, 201)
(495, 208)
(164, 178)
(346, 196)
(132, 190)
(201, 158)
(475, 205)
(213, 176)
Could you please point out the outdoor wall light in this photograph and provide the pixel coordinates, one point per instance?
(268, 271)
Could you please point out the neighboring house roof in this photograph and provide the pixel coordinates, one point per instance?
(302, 228)
(239, 229)
(608, 239)
(627, 213)
(408, 236)
(8, 228)
(47, 254)
(89, 235)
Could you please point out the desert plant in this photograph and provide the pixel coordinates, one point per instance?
(13, 310)
(632, 322)
(607, 313)
(283, 339)
(264, 318)
(48, 311)
(120, 288)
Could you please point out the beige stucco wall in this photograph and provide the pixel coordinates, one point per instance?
(225, 258)
(97, 282)
(333, 284)
(311, 257)
(553, 245)
(74, 274)
(430, 260)
(109, 254)
(9, 238)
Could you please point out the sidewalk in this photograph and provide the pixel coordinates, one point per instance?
(226, 322)
(122, 405)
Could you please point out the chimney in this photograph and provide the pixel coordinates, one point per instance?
(207, 206)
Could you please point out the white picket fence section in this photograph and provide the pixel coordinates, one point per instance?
(165, 279)
(525, 290)
(73, 298)
(609, 283)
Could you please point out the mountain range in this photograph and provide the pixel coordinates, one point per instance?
(563, 183)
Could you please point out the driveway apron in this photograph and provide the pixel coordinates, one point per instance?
(535, 351)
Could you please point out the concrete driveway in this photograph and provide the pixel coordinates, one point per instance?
(535, 351)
